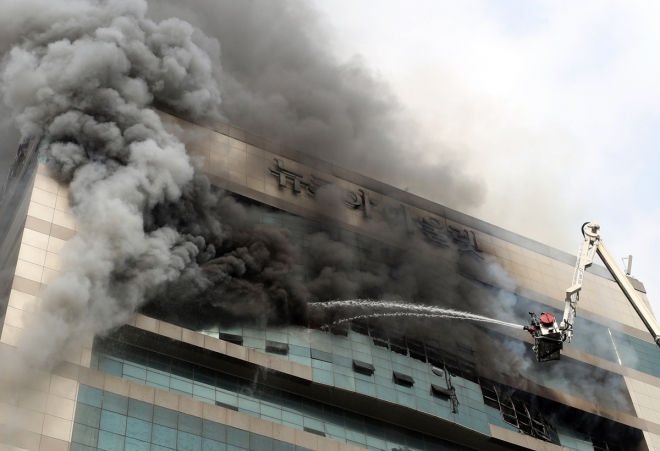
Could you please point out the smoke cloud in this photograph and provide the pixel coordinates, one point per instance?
(280, 80)
(85, 74)
(84, 78)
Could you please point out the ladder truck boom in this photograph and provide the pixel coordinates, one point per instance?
(548, 336)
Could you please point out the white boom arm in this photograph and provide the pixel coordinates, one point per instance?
(593, 244)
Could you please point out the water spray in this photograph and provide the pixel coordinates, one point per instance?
(415, 310)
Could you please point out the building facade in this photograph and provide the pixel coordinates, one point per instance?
(171, 381)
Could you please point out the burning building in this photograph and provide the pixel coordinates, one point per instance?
(171, 282)
(247, 350)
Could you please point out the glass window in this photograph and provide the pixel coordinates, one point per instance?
(136, 445)
(215, 431)
(113, 422)
(292, 418)
(142, 410)
(138, 429)
(110, 442)
(190, 424)
(115, 403)
(159, 448)
(188, 442)
(227, 400)
(203, 392)
(260, 443)
(163, 436)
(88, 415)
(237, 437)
(213, 445)
(79, 447)
(180, 385)
(85, 435)
(158, 378)
(134, 371)
(165, 417)
(111, 367)
(162, 363)
(299, 350)
(283, 446)
(204, 375)
(91, 396)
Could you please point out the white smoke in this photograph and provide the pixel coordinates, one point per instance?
(83, 75)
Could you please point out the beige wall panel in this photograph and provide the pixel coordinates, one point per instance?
(36, 239)
(41, 212)
(29, 271)
(55, 245)
(32, 254)
(46, 183)
(22, 301)
(43, 197)
(65, 220)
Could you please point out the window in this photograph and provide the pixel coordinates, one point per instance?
(363, 367)
(403, 379)
(321, 355)
(516, 412)
(341, 330)
(235, 339)
(277, 348)
(314, 431)
(441, 392)
(464, 347)
(226, 406)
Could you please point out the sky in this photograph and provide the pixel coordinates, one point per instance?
(554, 104)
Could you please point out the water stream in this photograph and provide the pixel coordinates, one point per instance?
(405, 309)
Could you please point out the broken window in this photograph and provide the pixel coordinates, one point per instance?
(398, 345)
(461, 366)
(469, 371)
(381, 343)
(452, 364)
(341, 330)
(602, 445)
(360, 328)
(516, 412)
(417, 350)
(464, 348)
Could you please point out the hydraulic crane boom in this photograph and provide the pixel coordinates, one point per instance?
(548, 337)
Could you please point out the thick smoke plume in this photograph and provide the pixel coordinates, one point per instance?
(84, 78)
(84, 74)
(281, 80)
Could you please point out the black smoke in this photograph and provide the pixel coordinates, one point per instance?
(85, 75)
(281, 80)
